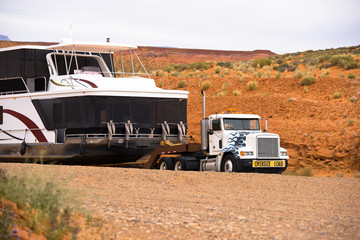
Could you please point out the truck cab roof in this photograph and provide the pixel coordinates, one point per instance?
(241, 116)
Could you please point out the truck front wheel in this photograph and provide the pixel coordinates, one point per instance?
(228, 164)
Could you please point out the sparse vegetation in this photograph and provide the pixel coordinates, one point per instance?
(298, 74)
(324, 73)
(181, 84)
(252, 85)
(306, 90)
(351, 76)
(46, 207)
(287, 173)
(291, 99)
(261, 62)
(205, 85)
(305, 171)
(308, 80)
(338, 95)
(236, 92)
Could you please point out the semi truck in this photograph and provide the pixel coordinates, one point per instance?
(230, 142)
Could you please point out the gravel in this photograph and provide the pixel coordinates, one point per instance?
(153, 204)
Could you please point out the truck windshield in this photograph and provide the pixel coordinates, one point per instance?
(241, 124)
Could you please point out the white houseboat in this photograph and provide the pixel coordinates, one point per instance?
(66, 103)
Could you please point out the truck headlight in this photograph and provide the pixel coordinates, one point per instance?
(246, 153)
(283, 154)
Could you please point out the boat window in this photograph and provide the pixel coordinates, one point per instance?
(79, 64)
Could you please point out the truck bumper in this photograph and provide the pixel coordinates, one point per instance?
(263, 165)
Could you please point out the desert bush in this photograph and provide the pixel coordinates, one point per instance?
(343, 61)
(338, 95)
(299, 74)
(351, 76)
(291, 99)
(159, 73)
(236, 92)
(308, 80)
(217, 70)
(205, 85)
(306, 90)
(221, 94)
(278, 74)
(287, 173)
(252, 85)
(225, 64)
(305, 171)
(46, 206)
(341, 75)
(324, 73)
(261, 62)
(181, 84)
(200, 66)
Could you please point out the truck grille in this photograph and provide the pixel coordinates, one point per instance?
(268, 147)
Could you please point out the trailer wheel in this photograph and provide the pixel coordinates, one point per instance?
(166, 163)
(228, 164)
(180, 164)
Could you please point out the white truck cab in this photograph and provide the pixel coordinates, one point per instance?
(235, 142)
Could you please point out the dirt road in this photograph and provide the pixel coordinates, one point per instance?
(152, 204)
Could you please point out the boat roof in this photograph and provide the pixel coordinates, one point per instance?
(97, 47)
(105, 47)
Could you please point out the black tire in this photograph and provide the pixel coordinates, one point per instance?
(228, 164)
(166, 163)
(180, 164)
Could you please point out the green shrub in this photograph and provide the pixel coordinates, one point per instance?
(287, 173)
(225, 64)
(353, 99)
(324, 73)
(278, 74)
(181, 84)
(205, 85)
(299, 74)
(343, 61)
(351, 76)
(46, 206)
(338, 95)
(221, 94)
(217, 70)
(308, 80)
(236, 92)
(252, 85)
(159, 73)
(305, 171)
(261, 62)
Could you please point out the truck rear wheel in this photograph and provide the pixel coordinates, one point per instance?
(166, 163)
(228, 164)
(180, 164)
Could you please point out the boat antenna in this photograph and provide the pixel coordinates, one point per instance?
(71, 34)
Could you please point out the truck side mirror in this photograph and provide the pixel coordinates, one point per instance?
(210, 132)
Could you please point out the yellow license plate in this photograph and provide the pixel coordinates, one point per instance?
(263, 164)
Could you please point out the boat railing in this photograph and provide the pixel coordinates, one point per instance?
(23, 87)
(129, 74)
(132, 132)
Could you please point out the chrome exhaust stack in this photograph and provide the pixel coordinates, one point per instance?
(204, 126)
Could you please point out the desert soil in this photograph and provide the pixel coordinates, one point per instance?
(153, 204)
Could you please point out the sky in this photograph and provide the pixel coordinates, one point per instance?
(282, 26)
